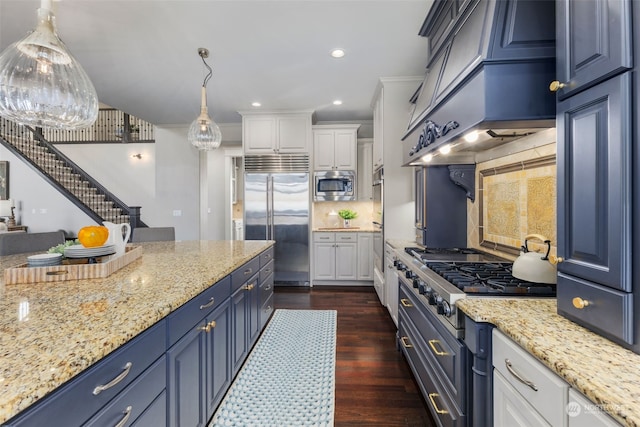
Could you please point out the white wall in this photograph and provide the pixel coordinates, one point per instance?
(166, 179)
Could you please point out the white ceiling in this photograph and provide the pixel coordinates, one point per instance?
(142, 54)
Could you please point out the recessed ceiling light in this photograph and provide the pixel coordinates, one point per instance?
(337, 102)
(472, 136)
(337, 53)
(445, 149)
(256, 104)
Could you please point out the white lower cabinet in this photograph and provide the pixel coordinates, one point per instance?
(526, 393)
(342, 256)
(584, 413)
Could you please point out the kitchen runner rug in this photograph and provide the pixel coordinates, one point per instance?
(289, 377)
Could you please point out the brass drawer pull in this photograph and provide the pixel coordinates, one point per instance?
(248, 271)
(405, 344)
(513, 372)
(249, 287)
(405, 302)
(116, 380)
(555, 85)
(127, 414)
(209, 304)
(432, 398)
(267, 288)
(432, 344)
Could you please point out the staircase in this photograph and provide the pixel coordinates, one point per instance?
(67, 177)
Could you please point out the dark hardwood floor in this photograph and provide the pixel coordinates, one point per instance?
(374, 384)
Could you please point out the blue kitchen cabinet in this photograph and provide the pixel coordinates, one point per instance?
(199, 369)
(594, 184)
(134, 366)
(594, 42)
(597, 196)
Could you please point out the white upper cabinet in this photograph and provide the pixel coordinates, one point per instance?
(276, 133)
(378, 131)
(335, 147)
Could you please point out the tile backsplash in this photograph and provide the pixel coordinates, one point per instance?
(322, 211)
(515, 196)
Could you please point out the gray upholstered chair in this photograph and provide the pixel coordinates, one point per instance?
(153, 234)
(17, 243)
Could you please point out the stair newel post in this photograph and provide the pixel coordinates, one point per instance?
(134, 217)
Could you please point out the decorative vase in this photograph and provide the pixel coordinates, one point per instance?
(347, 223)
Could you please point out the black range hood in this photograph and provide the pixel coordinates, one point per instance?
(489, 72)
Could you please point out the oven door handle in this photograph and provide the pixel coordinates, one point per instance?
(513, 372)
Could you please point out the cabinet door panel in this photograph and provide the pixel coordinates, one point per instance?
(346, 261)
(324, 261)
(293, 134)
(187, 375)
(593, 42)
(323, 149)
(218, 357)
(239, 328)
(365, 256)
(594, 190)
(510, 409)
(259, 135)
(345, 150)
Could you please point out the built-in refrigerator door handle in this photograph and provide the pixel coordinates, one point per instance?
(270, 207)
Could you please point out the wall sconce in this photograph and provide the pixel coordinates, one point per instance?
(6, 210)
(137, 156)
(42, 84)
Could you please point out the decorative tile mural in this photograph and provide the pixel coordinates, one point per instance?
(517, 199)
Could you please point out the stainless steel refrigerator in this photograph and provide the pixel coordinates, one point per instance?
(276, 207)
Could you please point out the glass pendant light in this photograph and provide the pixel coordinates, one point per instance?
(42, 84)
(204, 133)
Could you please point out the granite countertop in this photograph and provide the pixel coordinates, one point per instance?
(50, 332)
(605, 372)
(345, 230)
(401, 244)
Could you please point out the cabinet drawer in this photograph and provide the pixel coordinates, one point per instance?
(266, 271)
(187, 316)
(347, 236)
(155, 414)
(545, 391)
(266, 310)
(244, 273)
(266, 257)
(266, 289)
(133, 401)
(510, 408)
(446, 413)
(322, 236)
(443, 350)
(609, 311)
(115, 368)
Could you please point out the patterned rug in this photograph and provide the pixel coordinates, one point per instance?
(289, 377)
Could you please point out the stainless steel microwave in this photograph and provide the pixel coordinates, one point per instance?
(334, 185)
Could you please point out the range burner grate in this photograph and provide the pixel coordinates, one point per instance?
(488, 278)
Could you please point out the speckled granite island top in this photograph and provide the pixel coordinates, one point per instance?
(51, 332)
(606, 373)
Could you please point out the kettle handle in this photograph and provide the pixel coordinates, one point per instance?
(542, 239)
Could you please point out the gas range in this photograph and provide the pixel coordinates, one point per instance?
(444, 275)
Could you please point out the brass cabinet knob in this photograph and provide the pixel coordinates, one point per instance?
(555, 259)
(580, 303)
(556, 85)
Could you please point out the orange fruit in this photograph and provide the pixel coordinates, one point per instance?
(93, 236)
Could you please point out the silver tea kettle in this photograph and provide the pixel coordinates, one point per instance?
(532, 266)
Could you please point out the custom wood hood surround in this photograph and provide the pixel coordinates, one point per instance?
(489, 69)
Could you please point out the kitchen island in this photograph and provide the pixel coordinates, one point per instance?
(604, 372)
(51, 332)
